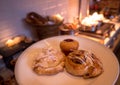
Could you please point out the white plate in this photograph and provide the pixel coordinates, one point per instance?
(25, 76)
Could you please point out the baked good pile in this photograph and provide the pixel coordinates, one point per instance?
(77, 62)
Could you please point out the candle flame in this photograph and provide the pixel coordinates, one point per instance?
(9, 43)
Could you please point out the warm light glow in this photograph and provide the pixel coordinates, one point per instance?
(106, 40)
(10, 43)
(59, 17)
(92, 19)
(17, 39)
(112, 33)
(14, 41)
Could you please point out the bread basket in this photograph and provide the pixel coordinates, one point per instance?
(44, 26)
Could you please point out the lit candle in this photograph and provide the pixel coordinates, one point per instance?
(18, 39)
(9, 43)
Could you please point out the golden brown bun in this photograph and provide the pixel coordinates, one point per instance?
(68, 45)
(83, 63)
(49, 61)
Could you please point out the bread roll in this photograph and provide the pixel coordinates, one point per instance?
(68, 45)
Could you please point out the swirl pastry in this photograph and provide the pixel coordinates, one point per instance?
(49, 61)
(83, 63)
(68, 45)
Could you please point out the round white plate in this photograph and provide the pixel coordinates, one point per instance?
(25, 75)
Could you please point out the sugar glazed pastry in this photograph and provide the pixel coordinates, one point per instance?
(49, 61)
(83, 63)
(68, 45)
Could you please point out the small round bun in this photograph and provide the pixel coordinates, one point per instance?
(69, 45)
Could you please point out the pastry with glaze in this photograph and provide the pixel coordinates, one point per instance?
(68, 45)
(83, 63)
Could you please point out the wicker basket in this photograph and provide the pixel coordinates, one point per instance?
(47, 31)
(43, 30)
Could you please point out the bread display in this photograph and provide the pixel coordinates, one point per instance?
(83, 63)
(37, 19)
(68, 45)
(75, 61)
(49, 61)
